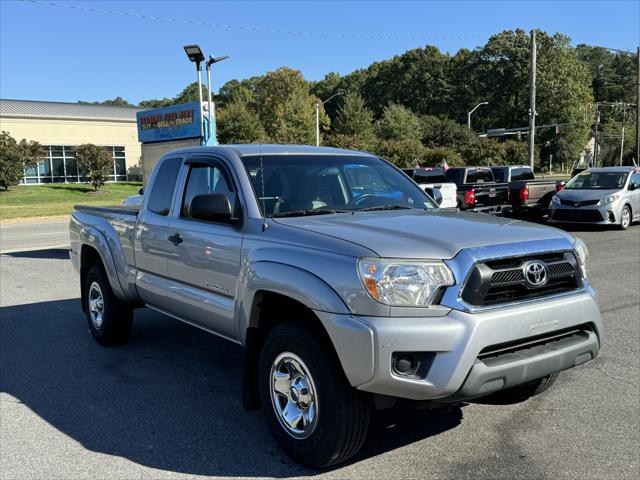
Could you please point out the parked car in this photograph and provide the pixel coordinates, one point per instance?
(344, 283)
(604, 196)
(477, 190)
(526, 194)
(432, 179)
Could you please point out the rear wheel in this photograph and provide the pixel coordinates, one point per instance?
(625, 217)
(314, 414)
(109, 318)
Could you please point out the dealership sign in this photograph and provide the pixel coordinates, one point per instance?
(169, 123)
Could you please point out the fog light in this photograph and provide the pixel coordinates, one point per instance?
(612, 216)
(412, 364)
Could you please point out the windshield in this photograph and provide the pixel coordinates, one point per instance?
(293, 185)
(597, 181)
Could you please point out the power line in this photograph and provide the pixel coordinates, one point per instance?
(254, 29)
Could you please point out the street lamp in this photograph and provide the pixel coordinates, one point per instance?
(213, 133)
(196, 56)
(473, 110)
(318, 116)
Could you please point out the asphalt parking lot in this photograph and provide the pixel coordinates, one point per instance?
(167, 405)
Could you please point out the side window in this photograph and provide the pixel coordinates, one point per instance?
(164, 185)
(635, 179)
(205, 179)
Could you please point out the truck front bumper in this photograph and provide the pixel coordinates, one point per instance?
(467, 354)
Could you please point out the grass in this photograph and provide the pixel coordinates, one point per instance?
(53, 200)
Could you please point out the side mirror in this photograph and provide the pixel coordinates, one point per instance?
(634, 186)
(211, 207)
(141, 191)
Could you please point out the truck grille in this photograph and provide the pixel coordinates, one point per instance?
(565, 215)
(495, 282)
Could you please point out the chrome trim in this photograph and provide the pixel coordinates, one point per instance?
(464, 262)
(188, 322)
(96, 305)
(293, 395)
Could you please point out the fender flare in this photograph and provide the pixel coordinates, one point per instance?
(92, 237)
(301, 285)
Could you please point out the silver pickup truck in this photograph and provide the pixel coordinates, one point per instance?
(345, 284)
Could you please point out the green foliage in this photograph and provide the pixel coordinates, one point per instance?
(238, 124)
(399, 123)
(114, 101)
(351, 142)
(442, 132)
(434, 157)
(96, 162)
(286, 110)
(355, 119)
(15, 157)
(403, 153)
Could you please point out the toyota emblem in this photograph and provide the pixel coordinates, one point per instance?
(535, 274)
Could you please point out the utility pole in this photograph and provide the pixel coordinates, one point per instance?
(532, 101)
(317, 124)
(624, 119)
(638, 108)
(595, 139)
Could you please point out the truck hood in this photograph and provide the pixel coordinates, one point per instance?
(584, 195)
(424, 234)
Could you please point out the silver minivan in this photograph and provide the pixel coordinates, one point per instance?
(609, 195)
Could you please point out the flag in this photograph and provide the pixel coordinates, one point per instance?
(445, 165)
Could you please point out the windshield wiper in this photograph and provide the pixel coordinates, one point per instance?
(301, 213)
(383, 207)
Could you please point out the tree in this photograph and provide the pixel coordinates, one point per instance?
(237, 124)
(15, 157)
(115, 101)
(96, 161)
(399, 123)
(434, 156)
(404, 153)
(442, 132)
(355, 119)
(286, 109)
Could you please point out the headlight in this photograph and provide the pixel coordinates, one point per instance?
(403, 282)
(555, 200)
(609, 199)
(583, 256)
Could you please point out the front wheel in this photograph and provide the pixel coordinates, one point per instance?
(625, 218)
(314, 414)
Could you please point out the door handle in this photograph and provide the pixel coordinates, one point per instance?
(176, 239)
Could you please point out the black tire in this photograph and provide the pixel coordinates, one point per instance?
(522, 392)
(343, 414)
(117, 316)
(625, 223)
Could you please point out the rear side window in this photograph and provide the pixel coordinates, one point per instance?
(518, 174)
(164, 185)
(455, 175)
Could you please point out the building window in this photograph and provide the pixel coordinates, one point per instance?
(60, 166)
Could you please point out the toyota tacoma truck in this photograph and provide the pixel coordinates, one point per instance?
(477, 190)
(346, 285)
(526, 194)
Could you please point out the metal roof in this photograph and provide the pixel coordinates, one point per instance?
(69, 111)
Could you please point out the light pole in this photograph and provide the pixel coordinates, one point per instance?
(196, 56)
(473, 110)
(318, 115)
(213, 137)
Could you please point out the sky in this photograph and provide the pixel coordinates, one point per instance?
(59, 53)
